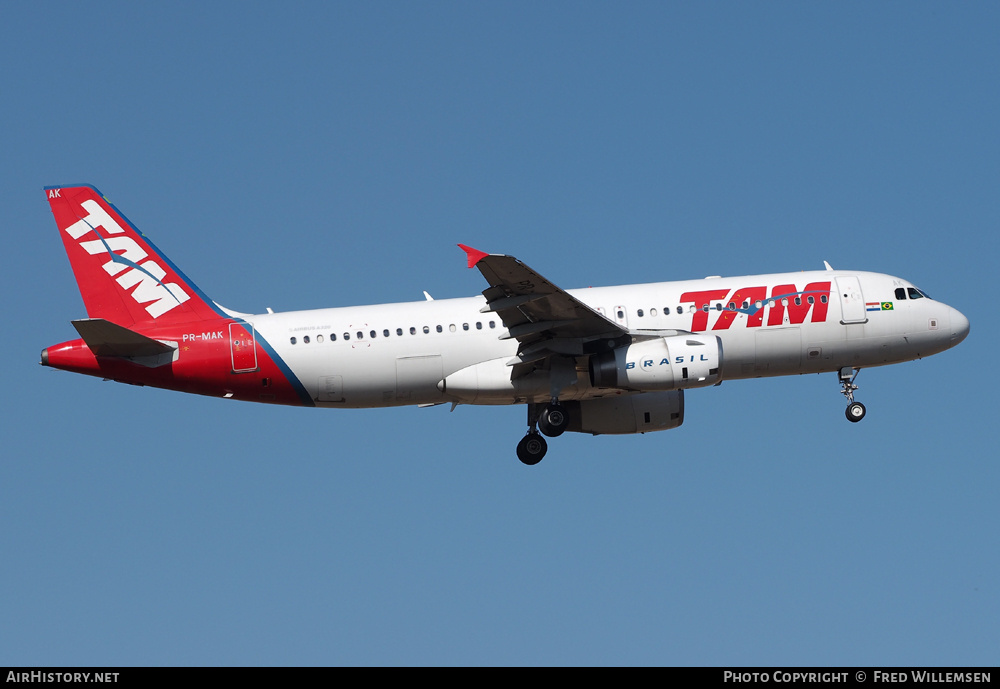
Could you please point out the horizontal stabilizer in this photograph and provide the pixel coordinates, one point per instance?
(107, 339)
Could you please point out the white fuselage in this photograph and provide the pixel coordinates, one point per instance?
(608, 360)
(398, 354)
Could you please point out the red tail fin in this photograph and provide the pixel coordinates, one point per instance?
(122, 277)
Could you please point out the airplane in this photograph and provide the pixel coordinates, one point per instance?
(605, 360)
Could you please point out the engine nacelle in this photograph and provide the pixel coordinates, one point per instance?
(641, 413)
(489, 382)
(667, 363)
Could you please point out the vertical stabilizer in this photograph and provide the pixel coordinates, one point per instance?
(122, 276)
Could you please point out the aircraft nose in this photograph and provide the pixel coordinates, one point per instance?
(959, 327)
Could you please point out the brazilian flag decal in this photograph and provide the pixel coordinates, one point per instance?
(887, 306)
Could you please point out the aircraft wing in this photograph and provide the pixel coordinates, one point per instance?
(543, 318)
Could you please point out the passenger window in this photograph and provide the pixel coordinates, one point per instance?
(479, 325)
(413, 331)
(680, 309)
(385, 333)
(810, 300)
(652, 313)
(347, 336)
(798, 301)
(399, 331)
(823, 299)
(465, 326)
(493, 324)
(372, 334)
(639, 313)
(333, 337)
(452, 327)
(361, 335)
(293, 340)
(319, 339)
(621, 314)
(900, 293)
(666, 311)
(732, 306)
(440, 329)
(305, 340)
(427, 329)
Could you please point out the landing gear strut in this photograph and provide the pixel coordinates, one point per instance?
(855, 410)
(552, 420)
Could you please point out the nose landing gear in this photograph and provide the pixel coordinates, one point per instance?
(855, 410)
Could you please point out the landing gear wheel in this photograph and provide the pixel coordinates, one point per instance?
(553, 420)
(855, 412)
(531, 449)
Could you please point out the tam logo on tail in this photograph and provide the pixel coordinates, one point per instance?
(146, 278)
(122, 277)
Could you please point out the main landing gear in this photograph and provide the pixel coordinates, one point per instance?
(855, 410)
(532, 448)
(552, 420)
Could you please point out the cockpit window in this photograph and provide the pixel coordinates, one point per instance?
(900, 293)
(915, 293)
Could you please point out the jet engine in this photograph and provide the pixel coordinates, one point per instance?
(667, 363)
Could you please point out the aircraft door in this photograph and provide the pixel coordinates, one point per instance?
(852, 302)
(242, 347)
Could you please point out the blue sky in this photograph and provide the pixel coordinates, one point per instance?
(327, 154)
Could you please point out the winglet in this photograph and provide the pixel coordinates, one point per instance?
(475, 255)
